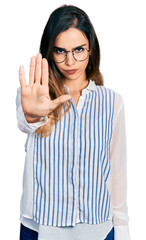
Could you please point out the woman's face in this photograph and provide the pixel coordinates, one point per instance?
(70, 40)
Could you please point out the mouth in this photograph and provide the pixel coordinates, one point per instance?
(72, 71)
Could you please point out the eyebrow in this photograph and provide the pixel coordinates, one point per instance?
(72, 48)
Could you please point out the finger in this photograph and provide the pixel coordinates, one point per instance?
(56, 102)
(32, 71)
(22, 79)
(45, 72)
(38, 68)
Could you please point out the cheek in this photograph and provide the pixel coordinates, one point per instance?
(84, 65)
(59, 66)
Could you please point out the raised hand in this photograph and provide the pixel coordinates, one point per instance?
(35, 97)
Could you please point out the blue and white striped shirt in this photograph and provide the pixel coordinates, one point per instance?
(67, 175)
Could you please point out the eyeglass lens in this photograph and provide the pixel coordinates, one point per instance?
(60, 55)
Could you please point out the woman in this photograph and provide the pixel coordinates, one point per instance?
(74, 184)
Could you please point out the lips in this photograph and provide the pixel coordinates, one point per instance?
(72, 71)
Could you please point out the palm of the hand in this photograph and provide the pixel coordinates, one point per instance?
(35, 100)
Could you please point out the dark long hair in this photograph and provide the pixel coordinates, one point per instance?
(60, 20)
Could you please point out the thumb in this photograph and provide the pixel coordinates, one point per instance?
(56, 102)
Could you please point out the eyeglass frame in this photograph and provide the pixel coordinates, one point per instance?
(66, 52)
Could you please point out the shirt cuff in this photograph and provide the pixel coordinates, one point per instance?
(121, 232)
(36, 125)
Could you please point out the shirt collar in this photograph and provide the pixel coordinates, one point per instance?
(91, 87)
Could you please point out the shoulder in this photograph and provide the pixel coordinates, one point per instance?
(111, 93)
(112, 98)
(118, 104)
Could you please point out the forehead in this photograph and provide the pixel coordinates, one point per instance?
(71, 38)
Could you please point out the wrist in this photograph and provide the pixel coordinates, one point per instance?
(32, 119)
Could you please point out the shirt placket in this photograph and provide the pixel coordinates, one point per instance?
(75, 177)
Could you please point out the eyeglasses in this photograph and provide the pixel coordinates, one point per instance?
(60, 55)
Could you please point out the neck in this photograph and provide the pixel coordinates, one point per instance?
(76, 85)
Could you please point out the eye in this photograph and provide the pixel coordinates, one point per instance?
(79, 49)
(59, 51)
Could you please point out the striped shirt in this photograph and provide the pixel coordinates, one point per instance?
(71, 176)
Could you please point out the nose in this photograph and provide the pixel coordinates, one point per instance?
(70, 59)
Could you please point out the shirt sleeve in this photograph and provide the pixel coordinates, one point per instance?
(22, 124)
(118, 153)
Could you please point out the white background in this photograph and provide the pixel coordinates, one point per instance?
(120, 28)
